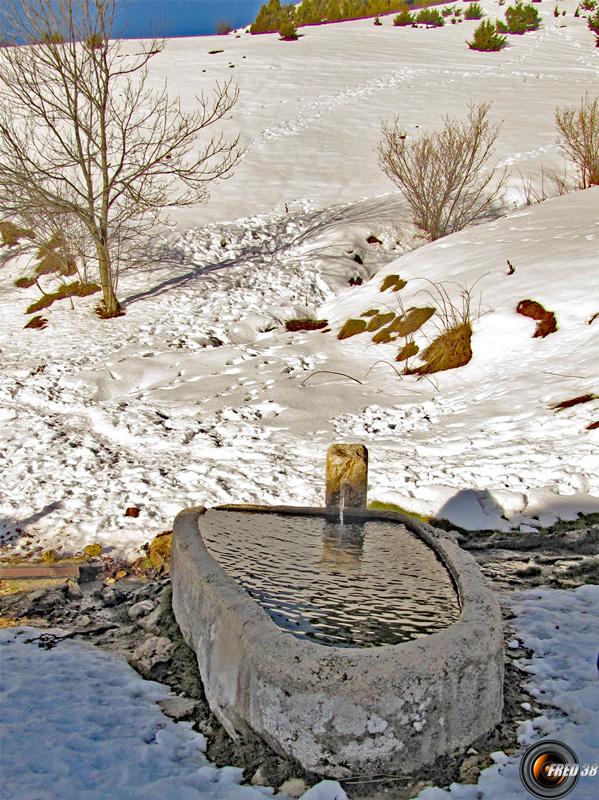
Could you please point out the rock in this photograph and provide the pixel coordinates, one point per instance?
(346, 475)
(293, 787)
(37, 595)
(132, 511)
(72, 590)
(470, 769)
(155, 650)
(259, 778)
(109, 596)
(83, 621)
(140, 609)
(150, 623)
(178, 708)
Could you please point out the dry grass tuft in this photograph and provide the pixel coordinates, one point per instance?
(392, 282)
(409, 322)
(451, 349)
(294, 325)
(37, 322)
(546, 322)
(12, 234)
(74, 289)
(574, 401)
(379, 320)
(351, 328)
(407, 351)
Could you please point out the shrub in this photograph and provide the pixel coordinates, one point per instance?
(578, 129)
(593, 23)
(94, 41)
(588, 5)
(501, 27)
(474, 11)
(288, 31)
(448, 11)
(430, 17)
(441, 174)
(522, 18)
(403, 19)
(451, 349)
(486, 38)
(269, 18)
(223, 27)
(377, 21)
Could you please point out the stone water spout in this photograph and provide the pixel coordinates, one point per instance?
(346, 477)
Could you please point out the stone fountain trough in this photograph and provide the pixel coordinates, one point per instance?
(363, 649)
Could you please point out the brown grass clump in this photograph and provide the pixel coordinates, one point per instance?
(372, 312)
(379, 320)
(546, 322)
(351, 328)
(449, 350)
(37, 322)
(75, 289)
(408, 350)
(392, 282)
(12, 234)
(409, 322)
(305, 324)
(574, 401)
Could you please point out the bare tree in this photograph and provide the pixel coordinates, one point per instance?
(578, 129)
(84, 136)
(442, 174)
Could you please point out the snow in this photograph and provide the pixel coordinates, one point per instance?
(94, 730)
(199, 395)
(562, 628)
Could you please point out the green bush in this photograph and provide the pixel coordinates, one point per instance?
(430, 17)
(448, 11)
(474, 11)
(486, 38)
(288, 31)
(270, 17)
(522, 18)
(403, 19)
(593, 23)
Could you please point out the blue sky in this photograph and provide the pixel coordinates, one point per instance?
(182, 17)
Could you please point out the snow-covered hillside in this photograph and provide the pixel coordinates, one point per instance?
(198, 395)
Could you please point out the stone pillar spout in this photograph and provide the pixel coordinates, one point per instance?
(346, 476)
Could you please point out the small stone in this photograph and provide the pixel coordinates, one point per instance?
(293, 787)
(37, 595)
(258, 778)
(151, 622)
(120, 574)
(109, 596)
(83, 621)
(155, 650)
(178, 708)
(140, 609)
(73, 591)
(470, 769)
(132, 511)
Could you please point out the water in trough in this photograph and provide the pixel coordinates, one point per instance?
(352, 585)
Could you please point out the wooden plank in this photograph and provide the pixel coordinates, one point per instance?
(18, 571)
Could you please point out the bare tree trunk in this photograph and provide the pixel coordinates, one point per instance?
(112, 306)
